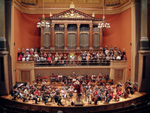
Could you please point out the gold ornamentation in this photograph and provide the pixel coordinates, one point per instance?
(93, 15)
(72, 5)
(71, 14)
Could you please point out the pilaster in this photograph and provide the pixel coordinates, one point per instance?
(78, 36)
(65, 37)
(91, 36)
(144, 42)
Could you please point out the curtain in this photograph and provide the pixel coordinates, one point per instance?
(96, 40)
(72, 40)
(46, 41)
(84, 40)
(59, 41)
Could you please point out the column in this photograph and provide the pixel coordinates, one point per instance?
(78, 36)
(2, 26)
(144, 42)
(65, 37)
(52, 36)
(124, 75)
(32, 77)
(101, 38)
(112, 73)
(135, 38)
(11, 42)
(144, 53)
(4, 78)
(91, 37)
(42, 37)
(19, 75)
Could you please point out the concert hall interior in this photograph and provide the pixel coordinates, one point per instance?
(74, 56)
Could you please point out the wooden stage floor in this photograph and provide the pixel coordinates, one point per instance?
(67, 102)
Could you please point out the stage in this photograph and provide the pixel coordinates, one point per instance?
(67, 108)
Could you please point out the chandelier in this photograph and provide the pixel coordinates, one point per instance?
(43, 22)
(103, 24)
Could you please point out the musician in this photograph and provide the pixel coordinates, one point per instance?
(100, 95)
(63, 93)
(134, 87)
(59, 101)
(128, 87)
(56, 96)
(74, 75)
(119, 92)
(46, 96)
(20, 94)
(14, 93)
(109, 97)
(52, 95)
(24, 97)
(37, 94)
(85, 89)
(118, 86)
(26, 92)
(117, 97)
(78, 89)
(71, 90)
(95, 96)
(93, 78)
(107, 77)
(125, 94)
(89, 92)
(89, 83)
(30, 96)
(102, 89)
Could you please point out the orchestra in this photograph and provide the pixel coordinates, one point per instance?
(88, 91)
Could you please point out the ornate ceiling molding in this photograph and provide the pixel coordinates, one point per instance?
(86, 6)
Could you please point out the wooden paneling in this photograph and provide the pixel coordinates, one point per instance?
(25, 76)
(66, 71)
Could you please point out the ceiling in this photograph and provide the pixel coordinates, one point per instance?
(87, 6)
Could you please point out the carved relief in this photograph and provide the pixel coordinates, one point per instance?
(71, 14)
